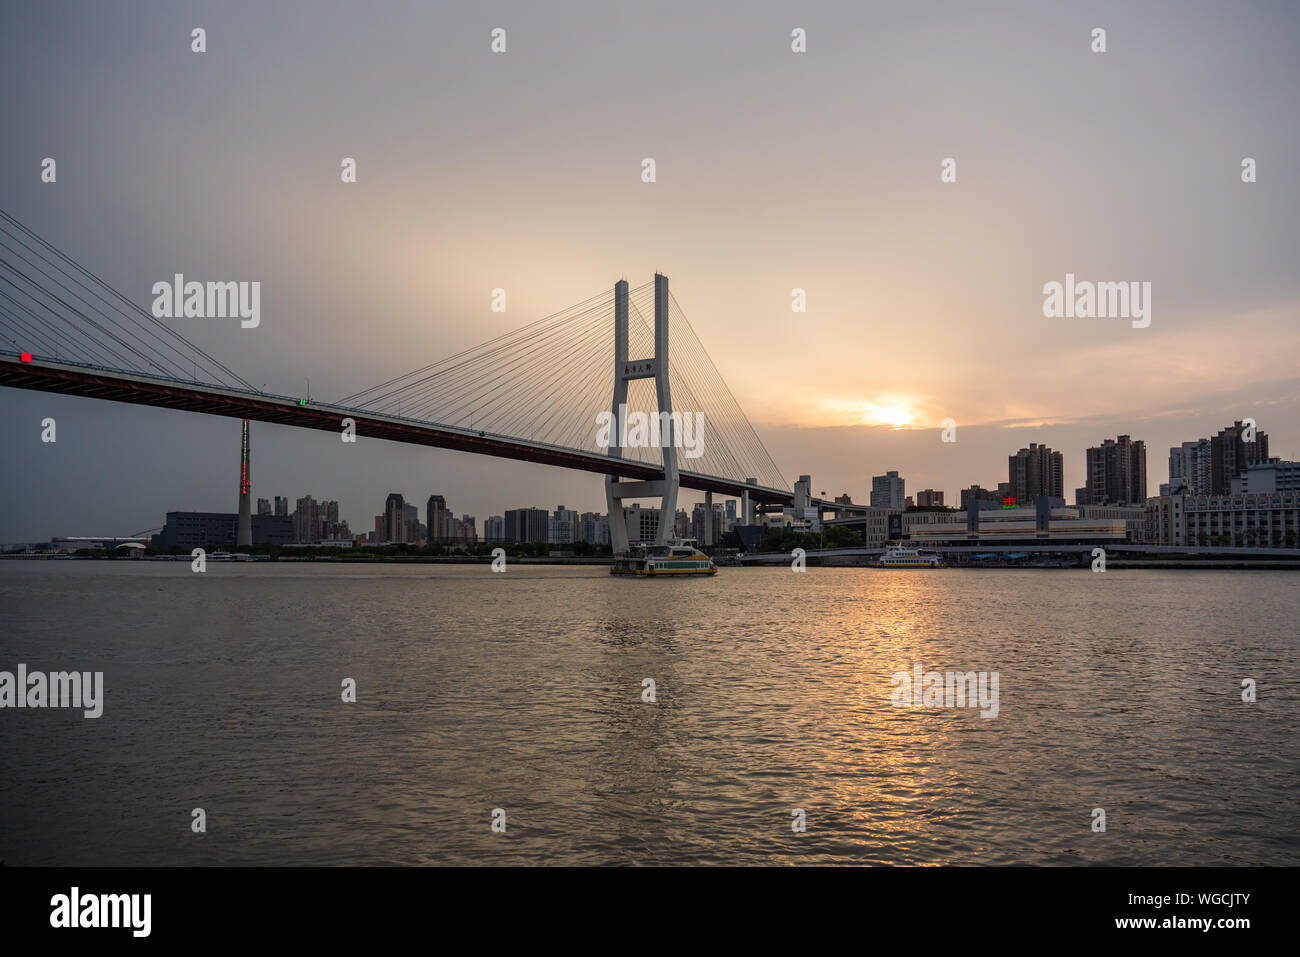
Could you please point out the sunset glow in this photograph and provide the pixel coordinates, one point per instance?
(893, 411)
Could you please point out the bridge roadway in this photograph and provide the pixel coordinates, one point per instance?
(71, 378)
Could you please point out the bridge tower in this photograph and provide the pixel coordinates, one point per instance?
(626, 370)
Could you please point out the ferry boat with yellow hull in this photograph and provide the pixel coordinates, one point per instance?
(898, 556)
(677, 557)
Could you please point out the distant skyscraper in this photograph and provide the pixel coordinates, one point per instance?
(395, 518)
(494, 529)
(527, 525)
(281, 505)
(318, 521)
(888, 491)
(438, 518)
(304, 520)
(263, 507)
(698, 514)
(1231, 455)
(245, 536)
(595, 530)
(1190, 467)
(803, 491)
(562, 526)
(1116, 473)
(1035, 471)
(412, 529)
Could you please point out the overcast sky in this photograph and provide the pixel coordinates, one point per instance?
(775, 170)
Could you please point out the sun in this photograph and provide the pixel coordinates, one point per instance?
(889, 415)
(897, 412)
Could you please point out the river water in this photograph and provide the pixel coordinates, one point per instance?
(523, 691)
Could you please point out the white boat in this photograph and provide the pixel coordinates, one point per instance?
(679, 556)
(900, 556)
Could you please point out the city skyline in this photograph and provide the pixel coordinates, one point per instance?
(1179, 470)
(609, 435)
(924, 298)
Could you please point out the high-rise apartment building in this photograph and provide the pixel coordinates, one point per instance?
(1116, 473)
(305, 520)
(594, 528)
(438, 519)
(929, 498)
(318, 521)
(395, 518)
(1190, 467)
(1035, 471)
(803, 491)
(887, 491)
(562, 526)
(698, 529)
(1231, 454)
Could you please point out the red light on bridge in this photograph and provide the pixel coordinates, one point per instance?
(27, 357)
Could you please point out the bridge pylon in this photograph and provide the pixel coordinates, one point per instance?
(626, 370)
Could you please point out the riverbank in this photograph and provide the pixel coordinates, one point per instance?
(812, 560)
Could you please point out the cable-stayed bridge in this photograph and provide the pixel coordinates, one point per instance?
(534, 394)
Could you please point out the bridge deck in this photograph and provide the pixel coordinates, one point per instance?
(83, 380)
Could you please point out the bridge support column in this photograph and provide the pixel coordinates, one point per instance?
(244, 533)
(624, 371)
